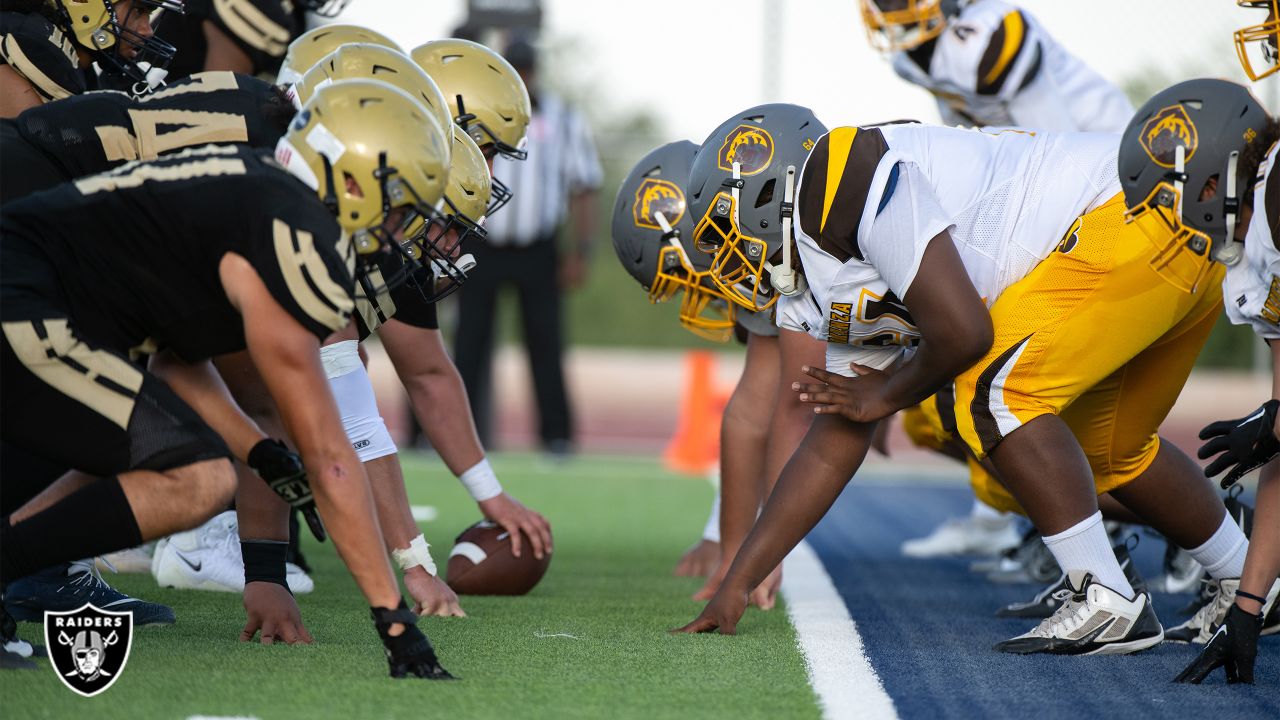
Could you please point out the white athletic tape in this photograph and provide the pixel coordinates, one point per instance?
(470, 551)
(839, 671)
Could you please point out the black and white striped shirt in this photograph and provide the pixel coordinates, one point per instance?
(562, 161)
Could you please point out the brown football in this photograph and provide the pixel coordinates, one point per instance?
(481, 563)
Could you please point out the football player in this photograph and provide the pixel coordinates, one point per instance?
(261, 258)
(1258, 43)
(244, 36)
(313, 45)
(37, 62)
(1199, 187)
(115, 42)
(990, 63)
(1038, 299)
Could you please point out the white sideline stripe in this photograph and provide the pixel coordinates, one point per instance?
(424, 513)
(221, 717)
(839, 671)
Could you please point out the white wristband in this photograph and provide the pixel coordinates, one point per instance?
(481, 482)
(417, 554)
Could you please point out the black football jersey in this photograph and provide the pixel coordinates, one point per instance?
(406, 302)
(39, 52)
(97, 131)
(131, 256)
(263, 29)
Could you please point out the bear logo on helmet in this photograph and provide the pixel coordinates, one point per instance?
(749, 146)
(657, 196)
(1165, 132)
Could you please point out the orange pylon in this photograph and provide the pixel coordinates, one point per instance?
(695, 447)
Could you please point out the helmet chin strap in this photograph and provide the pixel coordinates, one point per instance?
(783, 277)
(1232, 250)
(672, 236)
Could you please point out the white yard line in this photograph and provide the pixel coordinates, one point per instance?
(839, 671)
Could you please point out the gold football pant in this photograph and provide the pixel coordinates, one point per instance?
(1095, 335)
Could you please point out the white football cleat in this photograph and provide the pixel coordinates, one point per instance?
(1092, 620)
(131, 560)
(300, 583)
(968, 535)
(206, 558)
(1222, 595)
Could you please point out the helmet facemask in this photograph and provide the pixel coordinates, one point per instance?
(325, 8)
(1256, 45)
(483, 135)
(908, 26)
(703, 310)
(1184, 252)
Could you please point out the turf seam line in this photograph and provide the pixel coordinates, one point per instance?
(839, 671)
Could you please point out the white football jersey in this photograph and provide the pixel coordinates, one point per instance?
(1251, 288)
(995, 65)
(1007, 197)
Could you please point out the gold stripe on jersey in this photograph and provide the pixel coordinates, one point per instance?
(841, 140)
(374, 314)
(252, 26)
(198, 83)
(1013, 28)
(48, 88)
(307, 277)
(133, 175)
(101, 381)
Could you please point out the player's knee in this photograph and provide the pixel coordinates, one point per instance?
(208, 485)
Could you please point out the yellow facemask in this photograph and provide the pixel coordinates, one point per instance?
(1265, 34)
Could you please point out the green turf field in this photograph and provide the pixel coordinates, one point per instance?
(620, 525)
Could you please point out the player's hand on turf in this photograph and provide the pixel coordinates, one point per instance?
(860, 399)
(722, 613)
(701, 560)
(282, 469)
(1233, 647)
(1242, 445)
(409, 652)
(515, 518)
(431, 596)
(272, 610)
(765, 595)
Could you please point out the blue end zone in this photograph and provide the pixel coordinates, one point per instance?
(928, 627)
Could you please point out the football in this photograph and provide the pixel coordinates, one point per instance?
(481, 563)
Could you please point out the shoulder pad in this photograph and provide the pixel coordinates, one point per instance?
(41, 54)
(262, 28)
(834, 187)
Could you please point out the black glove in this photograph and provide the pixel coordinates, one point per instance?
(1234, 645)
(410, 652)
(282, 469)
(1246, 444)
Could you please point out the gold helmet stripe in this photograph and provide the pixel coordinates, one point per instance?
(1013, 29)
(840, 141)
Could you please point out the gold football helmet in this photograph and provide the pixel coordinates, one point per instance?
(366, 61)
(895, 25)
(311, 46)
(1266, 35)
(485, 94)
(376, 158)
(465, 198)
(113, 41)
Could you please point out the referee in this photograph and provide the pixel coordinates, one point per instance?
(557, 186)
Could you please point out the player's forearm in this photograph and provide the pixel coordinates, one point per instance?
(1262, 565)
(260, 513)
(582, 212)
(342, 495)
(831, 452)
(204, 391)
(743, 442)
(439, 401)
(395, 515)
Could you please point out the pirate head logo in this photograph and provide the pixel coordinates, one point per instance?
(1165, 132)
(88, 648)
(657, 196)
(749, 146)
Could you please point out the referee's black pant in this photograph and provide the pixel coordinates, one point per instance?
(533, 271)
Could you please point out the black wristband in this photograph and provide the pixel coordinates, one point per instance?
(264, 561)
(1251, 596)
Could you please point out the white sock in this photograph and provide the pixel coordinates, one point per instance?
(1085, 546)
(1223, 555)
(712, 530)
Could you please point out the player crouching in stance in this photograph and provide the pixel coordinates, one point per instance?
(262, 257)
(1068, 335)
(1198, 184)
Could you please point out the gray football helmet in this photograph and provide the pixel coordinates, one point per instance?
(651, 227)
(1178, 143)
(741, 193)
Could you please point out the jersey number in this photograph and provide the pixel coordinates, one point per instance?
(156, 132)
